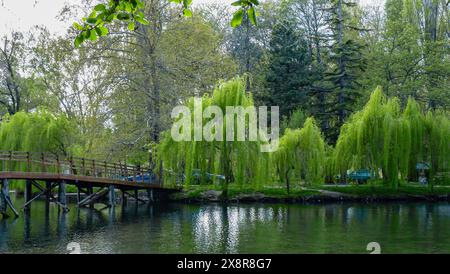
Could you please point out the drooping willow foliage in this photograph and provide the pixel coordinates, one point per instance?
(40, 131)
(301, 155)
(241, 162)
(389, 141)
(437, 141)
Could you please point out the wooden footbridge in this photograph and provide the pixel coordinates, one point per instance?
(95, 181)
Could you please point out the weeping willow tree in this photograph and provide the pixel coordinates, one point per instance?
(40, 131)
(241, 162)
(437, 142)
(301, 154)
(383, 138)
(417, 127)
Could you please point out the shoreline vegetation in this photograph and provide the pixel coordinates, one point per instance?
(322, 194)
(393, 145)
(373, 192)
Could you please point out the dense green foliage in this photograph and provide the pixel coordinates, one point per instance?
(239, 161)
(301, 155)
(37, 132)
(294, 121)
(384, 138)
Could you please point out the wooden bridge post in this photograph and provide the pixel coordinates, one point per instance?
(10, 161)
(151, 199)
(28, 195)
(43, 162)
(48, 191)
(78, 193)
(62, 193)
(71, 168)
(3, 205)
(112, 196)
(124, 199)
(83, 167)
(28, 186)
(136, 195)
(5, 199)
(28, 168)
(90, 191)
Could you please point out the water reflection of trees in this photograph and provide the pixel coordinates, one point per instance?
(230, 229)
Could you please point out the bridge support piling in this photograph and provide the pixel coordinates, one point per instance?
(90, 191)
(48, 191)
(78, 194)
(62, 198)
(5, 200)
(112, 196)
(150, 195)
(124, 199)
(136, 196)
(3, 205)
(28, 195)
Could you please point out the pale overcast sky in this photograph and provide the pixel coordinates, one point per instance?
(23, 14)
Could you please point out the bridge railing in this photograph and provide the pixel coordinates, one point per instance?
(18, 161)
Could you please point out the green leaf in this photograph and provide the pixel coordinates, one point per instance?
(142, 21)
(123, 16)
(91, 21)
(254, 2)
(100, 7)
(131, 26)
(187, 3)
(237, 18)
(93, 14)
(87, 34)
(104, 31)
(98, 31)
(110, 18)
(237, 3)
(78, 26)
(128, 7)
(187, 13)
(139, 14)
(252, 15)
(140, 5)
(79, 40)
(93, 36)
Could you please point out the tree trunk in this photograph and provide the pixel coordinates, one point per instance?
(341, 98)
(247, 53)
(288, 184)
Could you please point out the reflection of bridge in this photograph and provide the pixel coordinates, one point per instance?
(95, 179)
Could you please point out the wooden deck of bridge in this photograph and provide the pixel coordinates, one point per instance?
(85, 174)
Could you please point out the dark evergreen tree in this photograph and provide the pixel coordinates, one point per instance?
(347, 64)
(289, 74)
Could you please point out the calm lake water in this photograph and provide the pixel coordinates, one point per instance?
(254, 228)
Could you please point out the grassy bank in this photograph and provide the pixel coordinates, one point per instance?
(364, 193)
(202, 192)
(380, 190)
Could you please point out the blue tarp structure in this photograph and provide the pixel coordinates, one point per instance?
(196, 173)
(422, 166)
(361, 175)
(147, 178)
